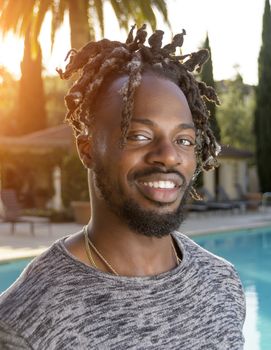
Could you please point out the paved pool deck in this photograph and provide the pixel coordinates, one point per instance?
(22, 244)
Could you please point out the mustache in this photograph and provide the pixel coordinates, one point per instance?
(158, 170)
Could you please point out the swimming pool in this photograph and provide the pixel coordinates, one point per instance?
(250, 251)
(9, 271)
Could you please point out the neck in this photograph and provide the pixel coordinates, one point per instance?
(130, 253)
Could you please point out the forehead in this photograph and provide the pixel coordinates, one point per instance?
(156, 98)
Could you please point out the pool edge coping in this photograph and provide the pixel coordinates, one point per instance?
(227, 229)
(32, 255)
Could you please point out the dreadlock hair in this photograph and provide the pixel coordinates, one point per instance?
(102, 60)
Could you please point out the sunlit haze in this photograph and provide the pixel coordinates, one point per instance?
(234, 28)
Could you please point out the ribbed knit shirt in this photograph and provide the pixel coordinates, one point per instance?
(60, 303)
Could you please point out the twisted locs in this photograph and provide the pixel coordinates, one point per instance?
(98, 61)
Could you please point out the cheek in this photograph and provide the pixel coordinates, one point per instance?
(128, 163)
(101, 146)
(106, 150)
(190, 164)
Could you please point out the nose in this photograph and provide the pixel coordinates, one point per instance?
(164, 153)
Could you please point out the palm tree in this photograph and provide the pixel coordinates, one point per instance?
(19, 16)
(25, 19)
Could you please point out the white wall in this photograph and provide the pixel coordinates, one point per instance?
(209, 181)
(227, 176)
(231, 172)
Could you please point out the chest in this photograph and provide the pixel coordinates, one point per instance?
(190, 317)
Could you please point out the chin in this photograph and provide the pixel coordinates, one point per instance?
(158, 222)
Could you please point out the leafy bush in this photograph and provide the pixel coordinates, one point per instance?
(61, 216)
(74, 180)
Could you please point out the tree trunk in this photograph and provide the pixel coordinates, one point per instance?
(30, 112)
(79, 23)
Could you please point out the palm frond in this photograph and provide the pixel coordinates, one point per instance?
(162, 8)
(10, 16)
(128, 6)
(16, 16)
(98, 4)
(91, 23)
(147, 12)
(27, 17)
(42, 9)
(58, 12)
(121, 13)
(139, 11)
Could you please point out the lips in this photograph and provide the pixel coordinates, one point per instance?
(163, 188)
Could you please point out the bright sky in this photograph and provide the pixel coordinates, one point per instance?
(234, 28)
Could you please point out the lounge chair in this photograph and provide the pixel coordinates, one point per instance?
(11, 212)
(252, 200)
(196, 206)
(211, 203)
(238, 204)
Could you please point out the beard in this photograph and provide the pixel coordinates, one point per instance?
(143, 221)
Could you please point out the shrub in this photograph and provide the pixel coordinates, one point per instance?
(74, 180)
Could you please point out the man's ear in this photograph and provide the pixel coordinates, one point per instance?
(84, 149)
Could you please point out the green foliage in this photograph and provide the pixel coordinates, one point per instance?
(74, 180)
(235, 115)
(85, 17)
(55, 90)
(29, 174)
(207, 76)
(263, 105)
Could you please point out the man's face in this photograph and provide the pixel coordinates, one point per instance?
(145, 182)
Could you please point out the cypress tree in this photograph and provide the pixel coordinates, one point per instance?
(30, 113)
(263, 105)
(208, 78)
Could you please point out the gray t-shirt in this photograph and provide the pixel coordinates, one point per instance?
(60, 303)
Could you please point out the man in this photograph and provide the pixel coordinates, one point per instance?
(129, 280)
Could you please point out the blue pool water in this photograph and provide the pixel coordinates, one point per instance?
(250, 252)
(10, 271)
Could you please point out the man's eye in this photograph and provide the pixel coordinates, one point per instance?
(138, 137)
(185, 142)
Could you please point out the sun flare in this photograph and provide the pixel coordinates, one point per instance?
(11, 53)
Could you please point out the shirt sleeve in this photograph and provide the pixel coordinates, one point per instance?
(240, 298)
(11, 340)
(239, 308)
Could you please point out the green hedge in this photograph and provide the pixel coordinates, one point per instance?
(74, 180)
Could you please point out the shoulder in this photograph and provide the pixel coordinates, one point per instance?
(199, 254)
(34, 286)
(216, 273)
(38, 267)
(207, 263)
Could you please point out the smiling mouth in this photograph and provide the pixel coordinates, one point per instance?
(160, 184)
(162, 191)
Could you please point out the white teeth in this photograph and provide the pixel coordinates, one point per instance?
(160, 184)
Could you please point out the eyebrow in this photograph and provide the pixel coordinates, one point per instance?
(182, 126)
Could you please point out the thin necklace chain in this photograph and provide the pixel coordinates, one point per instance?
(88, 243)
(89, 255)
(178, 260)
